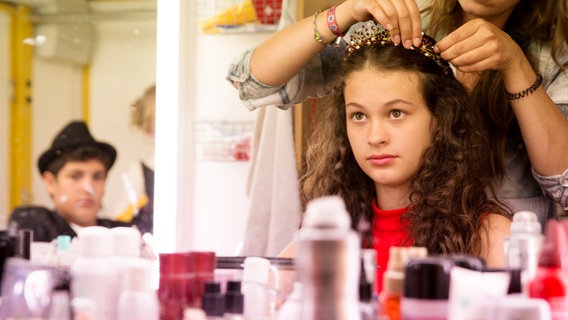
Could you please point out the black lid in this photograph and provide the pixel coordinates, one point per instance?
(515, 285)
(234, 299)
(468, 261)
(212, 301)
(427, 278)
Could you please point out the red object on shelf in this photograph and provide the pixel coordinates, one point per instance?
(268, 11)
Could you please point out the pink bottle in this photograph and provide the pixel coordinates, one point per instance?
(551, 280)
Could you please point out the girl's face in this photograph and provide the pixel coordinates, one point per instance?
(494, 11)
(389, 127)
(77, 190)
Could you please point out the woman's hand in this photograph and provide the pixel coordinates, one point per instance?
(400, 17)
(479, 45)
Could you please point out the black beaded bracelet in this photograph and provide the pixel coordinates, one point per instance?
(526, 92)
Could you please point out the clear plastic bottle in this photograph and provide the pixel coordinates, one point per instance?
(328, 262)
(522, 247)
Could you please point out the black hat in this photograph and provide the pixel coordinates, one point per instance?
(75, 134)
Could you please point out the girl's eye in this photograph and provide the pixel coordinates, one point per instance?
(396, 114)
(358, 116)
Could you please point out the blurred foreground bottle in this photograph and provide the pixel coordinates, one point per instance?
(328, 262)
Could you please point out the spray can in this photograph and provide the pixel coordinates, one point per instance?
(328, 262)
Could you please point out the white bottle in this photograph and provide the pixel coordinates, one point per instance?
(292, 307)
(522, 247)
(255, 288)
(328, 262)
(138, 300)
(94, 276)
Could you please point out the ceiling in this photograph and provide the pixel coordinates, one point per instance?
(49, 10)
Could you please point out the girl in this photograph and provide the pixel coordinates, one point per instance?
(405, 150)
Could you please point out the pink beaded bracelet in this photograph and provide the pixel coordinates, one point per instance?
(332, 22)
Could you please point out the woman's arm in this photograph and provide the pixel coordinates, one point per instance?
(479, 45)
(284, 54)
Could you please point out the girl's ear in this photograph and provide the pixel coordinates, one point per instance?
(50, 181)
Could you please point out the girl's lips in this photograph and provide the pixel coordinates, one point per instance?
(86, 202)
(381, 159)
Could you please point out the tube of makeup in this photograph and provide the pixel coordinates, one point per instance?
(471, 290)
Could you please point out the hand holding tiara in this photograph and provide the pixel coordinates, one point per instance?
(374, 34)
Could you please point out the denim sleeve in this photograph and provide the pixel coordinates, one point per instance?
(317, 79)
(556, 187)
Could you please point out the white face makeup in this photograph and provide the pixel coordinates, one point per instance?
(62, 198)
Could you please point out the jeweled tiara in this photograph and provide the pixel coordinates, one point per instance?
(374, 34)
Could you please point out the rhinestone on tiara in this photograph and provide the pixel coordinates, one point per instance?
(374, 34)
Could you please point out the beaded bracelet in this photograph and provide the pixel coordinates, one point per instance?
(332, 22)
(526, 92)
(317, 35)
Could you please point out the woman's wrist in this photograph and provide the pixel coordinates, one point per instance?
(343, 17)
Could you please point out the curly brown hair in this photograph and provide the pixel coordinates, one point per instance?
(544, 21)
(453, 187)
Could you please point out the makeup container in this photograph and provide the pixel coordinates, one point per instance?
(29, 291)
(234, 301)
(94, 276)
(328, 262)
(426, 288)
(213, 301)
(522, 247)
(138, 300)
(173, 285)
(551, 281)
(519, 307)
(258, 300)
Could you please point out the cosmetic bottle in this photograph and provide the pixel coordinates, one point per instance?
(94, 278)
(213, 301)
(522, 247)
(367, 303)
(138, 300)
(391, 295)
(63, 251)
(426, 288)
(234, 301)
(255, 288)
(292, 308)
(328, 262)
(550, 282)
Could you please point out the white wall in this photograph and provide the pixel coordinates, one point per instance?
(221, 204)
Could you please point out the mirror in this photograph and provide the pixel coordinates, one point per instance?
(101, 83)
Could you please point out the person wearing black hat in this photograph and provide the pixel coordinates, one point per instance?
(74, 170)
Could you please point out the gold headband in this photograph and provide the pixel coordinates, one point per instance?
(374, 34)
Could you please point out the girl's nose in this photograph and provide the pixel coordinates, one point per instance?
(377, 135)
(88, 186)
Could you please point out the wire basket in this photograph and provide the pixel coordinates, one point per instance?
(222, 16)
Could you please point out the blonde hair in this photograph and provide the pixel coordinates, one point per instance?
(142, 111)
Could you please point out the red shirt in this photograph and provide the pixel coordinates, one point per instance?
(388, 231)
